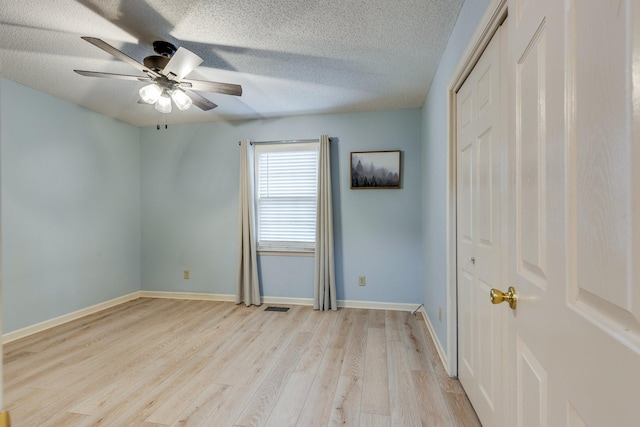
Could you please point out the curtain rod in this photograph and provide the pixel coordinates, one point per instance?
(288, 141)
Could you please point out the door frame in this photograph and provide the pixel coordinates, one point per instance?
(494, 16)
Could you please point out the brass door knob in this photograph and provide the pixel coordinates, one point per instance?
(498, 296)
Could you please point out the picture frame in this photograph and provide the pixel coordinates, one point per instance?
(372, 170)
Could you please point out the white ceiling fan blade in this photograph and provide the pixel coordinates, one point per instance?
(181, 63)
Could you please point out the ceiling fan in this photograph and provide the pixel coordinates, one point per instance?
(165, 72)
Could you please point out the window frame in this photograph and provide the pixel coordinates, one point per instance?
(281, 247)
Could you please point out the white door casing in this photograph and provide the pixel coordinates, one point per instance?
(480, 154)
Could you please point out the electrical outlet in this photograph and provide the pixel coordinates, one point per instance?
(440, 314)
(187, 274)
(362, 281)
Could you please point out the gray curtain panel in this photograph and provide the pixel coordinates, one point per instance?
(325, 277)
(248, 286)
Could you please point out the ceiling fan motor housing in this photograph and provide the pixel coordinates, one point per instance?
(163, 48)
(165, 51)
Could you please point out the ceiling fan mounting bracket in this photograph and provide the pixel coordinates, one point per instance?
(163, 48)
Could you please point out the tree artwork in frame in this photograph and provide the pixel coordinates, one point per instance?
(375, 169)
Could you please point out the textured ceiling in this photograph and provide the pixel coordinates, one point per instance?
(290, 56)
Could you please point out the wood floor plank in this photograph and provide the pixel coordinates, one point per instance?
(346, 403)
(106, 369)
(461, 411)
(204, 407)
(29, 403)
(392, 325)
(317, 407)
(254, 364)
(348, 398)
(181, 397)
(413, 336)
(257, 354)
(376, 381)
(434, 410)
(376, 319)
(288, 408)
(259, 408)
(40, 342)
(448, 384)
(323, 330)
(161, 362)
(402, 397)
(342, 329)
(63, 348)
(71, 419)
(373, 420)
(430, 348)
(354, 356)
(133, 401)
(130, 348)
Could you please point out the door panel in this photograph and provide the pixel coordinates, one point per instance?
(573, 418)
(532, 394)
(530, 167)
(466, 358)
(489, 350)
(603, 159)
(465, 193)
(574, 220)
(480, 172)
(535, 210)
(571, 348)
(536, 200)
(484, 204)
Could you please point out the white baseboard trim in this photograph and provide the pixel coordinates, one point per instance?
(288, 301)
(48, 324)
(375, 305)
(436, 341)
(201, 296)
(279, 300)
(57, 321)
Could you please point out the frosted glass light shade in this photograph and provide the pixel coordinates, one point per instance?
(150, 93)
(163, 104)
(181, 99)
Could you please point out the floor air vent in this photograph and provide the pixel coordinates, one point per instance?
(280, 309)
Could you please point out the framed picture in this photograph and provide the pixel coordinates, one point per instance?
(375, 169)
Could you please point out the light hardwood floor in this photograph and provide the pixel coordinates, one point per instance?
(159, 362)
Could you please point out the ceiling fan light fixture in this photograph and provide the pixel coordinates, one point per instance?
(182, 100)
(150, 93)
(163, 104)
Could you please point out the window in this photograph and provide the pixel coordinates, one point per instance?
(286, 186)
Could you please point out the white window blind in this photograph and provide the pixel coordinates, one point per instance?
(286, 186)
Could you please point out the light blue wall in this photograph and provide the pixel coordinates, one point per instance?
(77, 232)
(434, 167)
(70, 207)
(189, 208)
(72, 214)
(93, 208)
